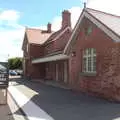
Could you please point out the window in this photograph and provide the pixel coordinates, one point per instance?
(88, 30)
(89, 60)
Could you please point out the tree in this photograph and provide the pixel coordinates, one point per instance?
(15, 63)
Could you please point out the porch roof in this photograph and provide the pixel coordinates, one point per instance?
(50, 58)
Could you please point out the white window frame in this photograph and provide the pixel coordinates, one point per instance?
(88, 56)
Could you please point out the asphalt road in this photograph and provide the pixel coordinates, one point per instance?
(68, 105)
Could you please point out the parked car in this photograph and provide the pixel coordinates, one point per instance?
(12, 73)
(19, 72)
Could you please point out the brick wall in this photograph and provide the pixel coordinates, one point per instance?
(50, 71)
(36, 51)
(106, 82)
(58, 44)
(33, 71)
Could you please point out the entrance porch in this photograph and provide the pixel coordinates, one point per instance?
(55, 67)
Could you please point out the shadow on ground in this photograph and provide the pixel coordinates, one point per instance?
(67, 105)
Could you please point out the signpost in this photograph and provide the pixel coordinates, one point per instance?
(4, 82)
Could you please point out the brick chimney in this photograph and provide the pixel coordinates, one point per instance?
(66, 19)
(49, 27)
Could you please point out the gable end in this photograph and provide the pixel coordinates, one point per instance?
(104, 28)
(100, 25)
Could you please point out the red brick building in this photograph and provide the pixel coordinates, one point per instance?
(87, 60)
(94, 50)
(45, 58)
(32, 48)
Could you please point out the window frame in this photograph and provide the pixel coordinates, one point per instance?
(89, 60)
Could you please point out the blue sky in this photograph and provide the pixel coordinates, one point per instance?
(16, 14)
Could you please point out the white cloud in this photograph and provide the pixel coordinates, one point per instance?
(9, 15)
(110, 6)
(56, 22)
(11, 34)
(10, 39)
(75, 13)
(11, 42)
(42, 27)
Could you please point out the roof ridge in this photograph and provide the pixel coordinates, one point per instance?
(34, 28)
(41, 30)
(103, 12)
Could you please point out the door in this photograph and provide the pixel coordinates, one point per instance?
(60, 71)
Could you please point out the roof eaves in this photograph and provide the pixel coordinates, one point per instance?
(36, 44)
(103, 23)
(50, 58)
(87, 9)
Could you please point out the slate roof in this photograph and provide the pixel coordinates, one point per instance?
(109, 20)
(37, 36)
(57, 33)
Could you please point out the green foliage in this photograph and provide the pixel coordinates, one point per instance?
(15, 63)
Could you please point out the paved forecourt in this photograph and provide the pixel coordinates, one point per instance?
(31, 110)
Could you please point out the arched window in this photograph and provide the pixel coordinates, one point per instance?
(89, 60)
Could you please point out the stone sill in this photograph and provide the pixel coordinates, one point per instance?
(88, 74)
